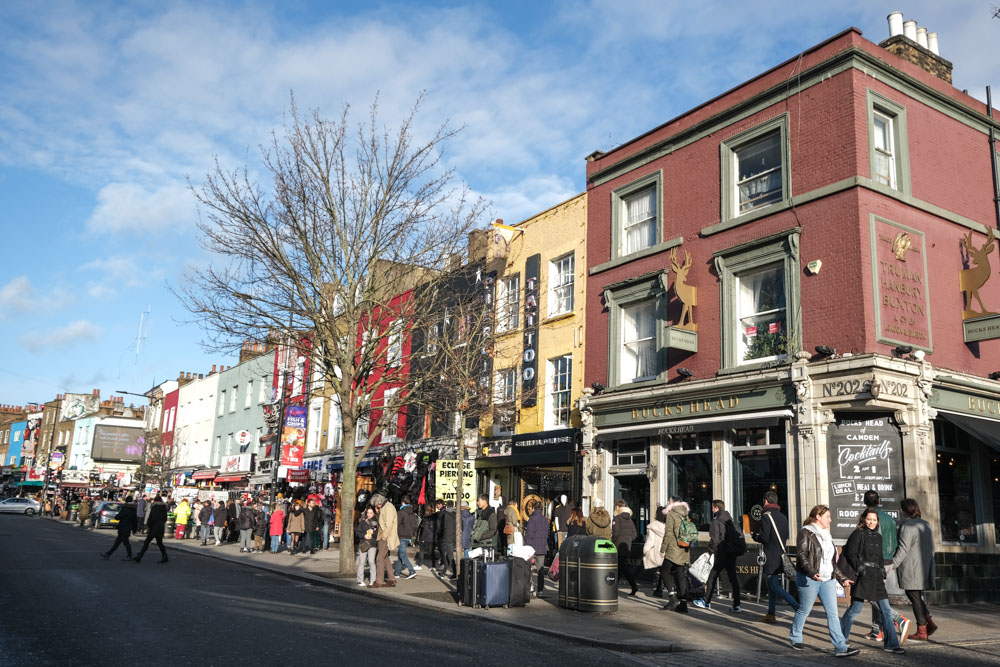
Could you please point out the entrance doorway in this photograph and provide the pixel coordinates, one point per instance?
(634, 490)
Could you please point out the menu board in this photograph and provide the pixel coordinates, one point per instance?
(864, 452)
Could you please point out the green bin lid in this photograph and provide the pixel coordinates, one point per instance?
(604, 547)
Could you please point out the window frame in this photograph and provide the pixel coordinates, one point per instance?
(618, 198)
(501, 374)
(551, 370)
(741, 259)
(508, 318)
(556, 276)
(728, 157)
(248, 399)
(394, 344)
(880, 105)
(234, 398)
(222, 403)
(388, 435)
(626, 294)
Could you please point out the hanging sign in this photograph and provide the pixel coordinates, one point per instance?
(902, 299)
(529, 361)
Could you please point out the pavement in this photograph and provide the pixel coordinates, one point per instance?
(640, 626)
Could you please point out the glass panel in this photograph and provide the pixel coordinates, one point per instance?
(995, 489)
(763, 330)
(634, 490)
(561, 371)
(882, 133)
(639, 342)
(754, 474)
(758, 166)
(640, 220)
(561, 280)
(690, 477)
(956, 497)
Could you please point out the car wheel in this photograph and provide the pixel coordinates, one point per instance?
(29, 512)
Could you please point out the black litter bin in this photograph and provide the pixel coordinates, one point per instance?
(588, 574)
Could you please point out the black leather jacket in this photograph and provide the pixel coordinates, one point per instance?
(809, 555)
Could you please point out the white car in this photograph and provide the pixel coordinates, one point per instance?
(20, 506)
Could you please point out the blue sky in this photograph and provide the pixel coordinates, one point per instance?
(108, 109)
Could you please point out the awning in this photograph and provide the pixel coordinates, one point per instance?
(698, 424)
(338, 461)
(230, 478)
(75, 485)
(986, 431)
(33, 482)
(527, 459)
(260, 479)
(205, 474)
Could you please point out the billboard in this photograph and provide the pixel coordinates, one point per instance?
(117, 443)
(293, 436)
(31, 435)
(75, 406)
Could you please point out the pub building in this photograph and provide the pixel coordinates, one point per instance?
(789, 289)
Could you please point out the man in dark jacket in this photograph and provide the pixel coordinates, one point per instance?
(155, 523)
(484, 531)
(140, 513)
(407, 524)
(219, 516)
(204, 517)
(772, 536)
(245, 521)
(127, 521)
(623, 533)
(447, 519)
(314, 519)
(723, 559)
(536, 536)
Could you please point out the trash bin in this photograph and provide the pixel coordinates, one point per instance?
(168, 529)
(588, 574)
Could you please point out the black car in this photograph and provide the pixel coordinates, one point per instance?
(105, 514)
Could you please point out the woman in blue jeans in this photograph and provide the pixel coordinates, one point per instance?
(863, 553)
(817, 576)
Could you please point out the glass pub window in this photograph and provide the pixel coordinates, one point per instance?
(638, 360)
(689, 474)
(630, 453)
(956, 485)
(763, 331)
(758, 173)
(759, 466)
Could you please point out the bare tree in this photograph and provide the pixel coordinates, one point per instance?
(156, 461)
(352, 220)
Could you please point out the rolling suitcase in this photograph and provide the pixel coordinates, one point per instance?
(494, 584)
(520, 582)
(468, 582)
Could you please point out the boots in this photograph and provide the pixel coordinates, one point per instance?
(921, 634)
(931, 626)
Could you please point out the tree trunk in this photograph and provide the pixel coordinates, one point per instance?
(347, 498)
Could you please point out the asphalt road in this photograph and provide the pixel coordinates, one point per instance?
(64, 605)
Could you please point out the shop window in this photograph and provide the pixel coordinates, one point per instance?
(561, 275)
(759, 284)
(755, 170)
(689, 474)
(636, 218)
(995, 488)
(956, 485)
(509, 303)
(887, 143)
(759, 465)
(630, 453)
(557, 398)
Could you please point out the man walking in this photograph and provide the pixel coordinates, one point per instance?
(723, 559)
(157, 520)
(388, 539)
(126, 524)
(887, 528)
(140, 513)
(407, 528)
(219, 521)
(772, 537)
(204, 519)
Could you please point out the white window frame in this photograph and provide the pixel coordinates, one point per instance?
(335, 425)
(887, 152)
(505, 386)
(390, 426)
(248, 400)
(625, 343)
(229, 444)
(742, 317)
(773, 172)
(562, 284)
(394, 344)
(558, 401)
(234, 398)
(263, 396)
(298, 381)
(222, 403)
(650, 220)
(509, 303)
(775, 128)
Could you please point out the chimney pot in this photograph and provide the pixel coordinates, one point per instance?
(213, 368)
(922, 36)
(910, 29)
(932, 43)
(895, 24)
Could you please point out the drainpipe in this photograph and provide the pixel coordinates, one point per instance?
(993, 158)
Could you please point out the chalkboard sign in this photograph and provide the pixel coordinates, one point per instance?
(864, 451)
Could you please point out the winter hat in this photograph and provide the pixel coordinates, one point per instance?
(598, 502)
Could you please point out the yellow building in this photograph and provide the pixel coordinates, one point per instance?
(529, 446)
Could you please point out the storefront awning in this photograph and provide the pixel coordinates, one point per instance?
(338, 461)
(205, 474)
(986, 431)
(260, 479)
(230, 478)
(32, 482)
(677, 426)
(527, 459)
(74, 485)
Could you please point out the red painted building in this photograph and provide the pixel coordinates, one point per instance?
(787, 291)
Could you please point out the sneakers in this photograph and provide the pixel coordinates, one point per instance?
(412, 575)
(417, 568)
(847, 653)
(105, 556)
(700, 603)
(875, 636)
(903, 628)
(798, 646)
(361, 583)
(768, 618)
(897, 649)
(737, 609)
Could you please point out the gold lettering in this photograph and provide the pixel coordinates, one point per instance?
(694, 406)
(734, 401)
(645, 413)
(666, 411)
(635, 413)
(654, 411)
(719, 405)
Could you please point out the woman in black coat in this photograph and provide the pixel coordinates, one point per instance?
(863, 553)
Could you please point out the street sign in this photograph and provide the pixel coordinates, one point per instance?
(243, 438)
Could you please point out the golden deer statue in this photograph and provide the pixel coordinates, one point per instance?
(687, 294)
(970, 280)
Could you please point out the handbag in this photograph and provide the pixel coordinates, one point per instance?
(508, 529)
(553, 572)
(786, 563)
(701, 568)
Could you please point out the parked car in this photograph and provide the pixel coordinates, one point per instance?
(20, 506)
(104, 514)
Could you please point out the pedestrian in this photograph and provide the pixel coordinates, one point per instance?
(428, 537)
(261, 527)
(468, 519)
(326, 508)
(366, 545)
(245, 521)
(914, 565)
(676, 551)
(84, 511)
(204, 519)
(863, 553)
(484, 530)
(140, 513)
(181, 516)
(446, 524)
(723, 559)
(536, 536)
(599, 521)
(408, 523)
(512, 521)
(232, 521)
(623, 533)
(313, 519)
(388, 540)
(277, 526)
(772, 536)
(219, 516)
(195, 520)
(560, 518)
(296, 526)
(817, 575)
(48, 507)
(156, 519)
(652, 550)
(577, 524)
(126, 524)
(888, 530)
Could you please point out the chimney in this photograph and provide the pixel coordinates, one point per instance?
(213, 368)
(479, 242)
(917, 46)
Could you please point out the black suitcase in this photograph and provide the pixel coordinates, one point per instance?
(468, 582)
(520, 582)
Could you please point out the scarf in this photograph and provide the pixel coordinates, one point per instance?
(829, 551)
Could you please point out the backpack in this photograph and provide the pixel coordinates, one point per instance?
(734, 542)
(688, 533)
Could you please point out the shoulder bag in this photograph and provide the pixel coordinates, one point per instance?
(786, 563)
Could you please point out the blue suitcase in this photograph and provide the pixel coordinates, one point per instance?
(493, 582)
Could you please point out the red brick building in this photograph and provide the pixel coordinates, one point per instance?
(785, 279)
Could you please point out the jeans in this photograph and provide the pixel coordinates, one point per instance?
(826, 591)
(360, 559)
(205, 528)
(727, 563)
(775, 591)
(218, 534)
(402, 559)
(275, 541)
(246, 536)
(326, 536)
(877, 616)
(891, 640)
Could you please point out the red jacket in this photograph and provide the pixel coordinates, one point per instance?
(277, 522)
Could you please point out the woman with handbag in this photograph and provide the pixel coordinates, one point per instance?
(772, 537)
(366, 540)
(863, 556)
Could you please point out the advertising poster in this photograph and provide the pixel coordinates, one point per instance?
(864, 451)
(31, 436)
(76, 406)
(447, 481)
(121, 444)
(293, 436)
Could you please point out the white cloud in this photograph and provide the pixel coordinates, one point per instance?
(78, 331)
(19, 297)
(134, 208)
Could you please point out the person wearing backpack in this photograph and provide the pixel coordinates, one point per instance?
(772, 536)
(678, 536)
(724, 545)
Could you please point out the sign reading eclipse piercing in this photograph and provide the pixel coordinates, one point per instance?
(529, 359)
